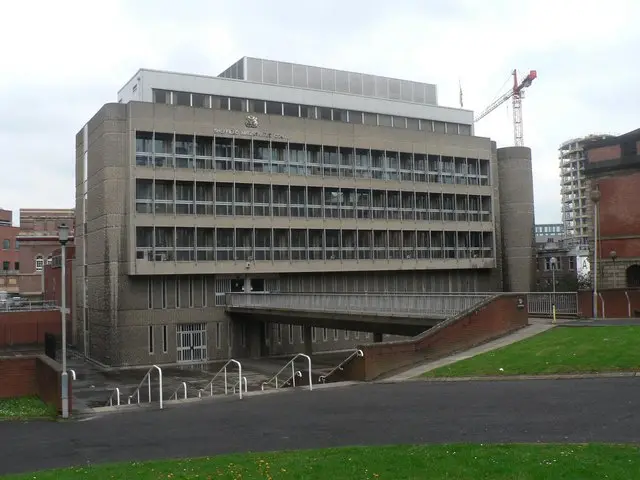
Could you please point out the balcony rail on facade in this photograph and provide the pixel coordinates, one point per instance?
(11, 305)
(414, 305)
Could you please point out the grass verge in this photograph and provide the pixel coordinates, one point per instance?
(460, 462)
(23, 408)
(556, 351)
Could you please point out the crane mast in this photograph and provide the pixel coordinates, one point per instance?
(516, 94)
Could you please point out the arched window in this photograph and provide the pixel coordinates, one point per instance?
(39, 263)
(633, 276)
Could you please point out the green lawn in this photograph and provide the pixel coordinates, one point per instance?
(559, 350)
(25, 408)
(459, 462)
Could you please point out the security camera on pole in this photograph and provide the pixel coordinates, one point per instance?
(63, 238)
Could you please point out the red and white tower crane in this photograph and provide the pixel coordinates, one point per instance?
(516, 94)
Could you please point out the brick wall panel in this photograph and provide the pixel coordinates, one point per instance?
(28, 328)
(499, 316)
(619, 208)
(615, 303)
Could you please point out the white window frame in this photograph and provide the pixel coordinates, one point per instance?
(325, 334)
(336, 334)
(39, 263)
(290, 334)
(314, 334)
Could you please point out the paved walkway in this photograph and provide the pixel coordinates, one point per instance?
(536, 326)
(592, 410)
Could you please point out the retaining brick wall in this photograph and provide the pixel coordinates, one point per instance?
(34, 375)
(494, 318)
(28, 328)
(615, 303)
(17, 377)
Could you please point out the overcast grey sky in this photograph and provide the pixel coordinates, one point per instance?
(63, 60)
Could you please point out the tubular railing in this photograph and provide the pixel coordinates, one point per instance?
(417, 305)
(73, 374)
(116, 392)
(273, 381)
(244, 384)
(602, 301)
(542, 303)
(223, 372)
(136, 392)
(339, 367)
(10, 305)
(626, 294)
(174, 395)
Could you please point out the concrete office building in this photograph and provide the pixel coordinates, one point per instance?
(277, 177)
(574, 190)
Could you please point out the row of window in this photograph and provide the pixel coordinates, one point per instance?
(239, 199)
(184, 244)
(166, 150)
(268, 107)
(330, 80)
(6, 244)
(276, 335)
(6, 266)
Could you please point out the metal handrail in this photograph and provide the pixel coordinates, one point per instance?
(626, 294)
(223, 371)
(136, 392)
(293, 373)
(601, 300)
(73, 374)
(174, 395)
(110, 401)
(355, 353)
(244, 383)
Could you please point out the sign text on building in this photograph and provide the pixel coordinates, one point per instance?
(248, 133)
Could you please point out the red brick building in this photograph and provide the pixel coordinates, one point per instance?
(613, 169)
(38, 239)
(53, 282)
(9, 253)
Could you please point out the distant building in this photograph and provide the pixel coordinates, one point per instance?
(576, 217)
(9, 253)
(613, 170)
(38, 239)
(552, 251)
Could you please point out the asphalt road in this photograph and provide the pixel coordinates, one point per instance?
(586, 410)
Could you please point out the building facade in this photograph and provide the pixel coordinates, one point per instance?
(574, 190)
(38, 240)
(274, 177)
(555, 260)
(613, 170)
(9, 254)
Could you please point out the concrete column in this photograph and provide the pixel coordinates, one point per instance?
(308, 344)
(377, 337)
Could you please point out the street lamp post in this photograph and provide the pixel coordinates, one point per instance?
(553, 262)
(63, 238)
(595, 198)
(614, 255)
